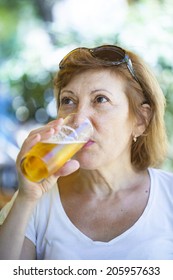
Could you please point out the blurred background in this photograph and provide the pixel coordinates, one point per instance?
(36, 34)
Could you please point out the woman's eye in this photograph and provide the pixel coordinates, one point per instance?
(66, 101)
(101, 99)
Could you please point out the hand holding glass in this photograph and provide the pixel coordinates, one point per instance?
(46, 157)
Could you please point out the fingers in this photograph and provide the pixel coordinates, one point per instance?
(68, 168)
(27, 145)
(50, 128)
(38, 135)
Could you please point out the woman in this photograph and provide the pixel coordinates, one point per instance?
(109, 202)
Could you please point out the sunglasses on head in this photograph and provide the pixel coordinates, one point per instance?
(110, 54)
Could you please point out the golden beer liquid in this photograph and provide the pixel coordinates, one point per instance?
(45, 159)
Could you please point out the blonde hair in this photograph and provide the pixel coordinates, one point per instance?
(150, 148)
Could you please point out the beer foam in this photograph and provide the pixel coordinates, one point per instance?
(68, 135)
(51, 141)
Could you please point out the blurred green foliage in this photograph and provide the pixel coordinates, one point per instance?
(27, 66)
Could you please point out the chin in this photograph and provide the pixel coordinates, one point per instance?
(87, 159)
(87, 163)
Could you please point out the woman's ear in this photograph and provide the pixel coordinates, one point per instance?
(146, 112)
(143, 121)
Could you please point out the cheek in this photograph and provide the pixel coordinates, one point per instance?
(115, 132)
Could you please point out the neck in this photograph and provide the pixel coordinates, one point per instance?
(104, 182)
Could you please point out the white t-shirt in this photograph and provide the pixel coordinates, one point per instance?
(151, 237)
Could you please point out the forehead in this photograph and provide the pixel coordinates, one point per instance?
(93, 79)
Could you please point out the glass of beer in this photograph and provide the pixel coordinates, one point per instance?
(46, 157)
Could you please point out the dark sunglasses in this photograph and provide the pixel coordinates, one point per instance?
(112, 55)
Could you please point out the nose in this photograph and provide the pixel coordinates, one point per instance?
(77, 118)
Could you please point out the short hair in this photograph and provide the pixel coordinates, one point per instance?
(150, 148)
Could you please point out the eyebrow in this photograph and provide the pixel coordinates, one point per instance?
(100, 89)
(67, 91)
(92, 92)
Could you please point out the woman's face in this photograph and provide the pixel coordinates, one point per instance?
(99, 95)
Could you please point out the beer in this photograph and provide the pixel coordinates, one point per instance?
(45, 159)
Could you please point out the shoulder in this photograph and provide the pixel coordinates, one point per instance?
(161, 175)
(47, 200)
(44, 209)
(162, 181)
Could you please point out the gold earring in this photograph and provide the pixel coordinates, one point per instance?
(135, 138)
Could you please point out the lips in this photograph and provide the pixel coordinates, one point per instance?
(88, 144)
